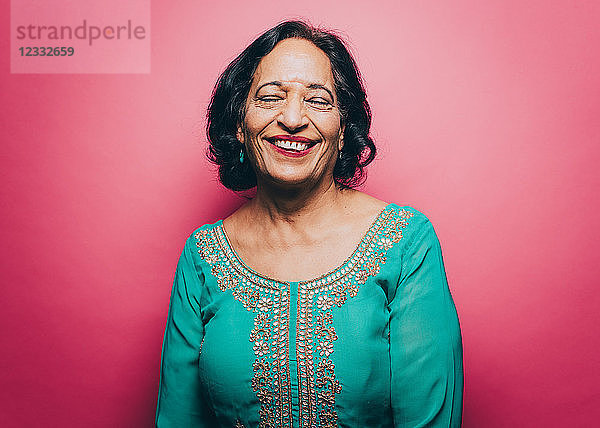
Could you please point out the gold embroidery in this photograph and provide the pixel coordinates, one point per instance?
(270, 335)
(315, 334)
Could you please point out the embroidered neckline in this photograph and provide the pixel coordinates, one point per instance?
(333, 273)
(317, 301)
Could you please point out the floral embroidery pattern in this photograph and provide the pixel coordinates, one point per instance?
(317, 299)
(270, 335)
(315, 333)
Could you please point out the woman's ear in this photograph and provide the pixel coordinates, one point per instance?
(240, 134)
(341, 138)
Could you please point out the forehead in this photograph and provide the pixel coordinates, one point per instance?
(295, 60)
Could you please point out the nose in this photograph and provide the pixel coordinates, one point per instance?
(293, 115)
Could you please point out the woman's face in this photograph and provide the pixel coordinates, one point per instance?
(292, 128)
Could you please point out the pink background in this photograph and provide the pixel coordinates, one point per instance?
(487, 116)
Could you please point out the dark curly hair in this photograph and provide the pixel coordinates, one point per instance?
(227, 107)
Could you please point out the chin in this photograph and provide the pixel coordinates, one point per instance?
(297, 176)
(290, 181)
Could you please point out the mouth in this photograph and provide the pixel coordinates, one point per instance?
(293, 146)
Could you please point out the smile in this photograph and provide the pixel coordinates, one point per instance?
(292, 146)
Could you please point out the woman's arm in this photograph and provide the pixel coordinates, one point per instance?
(180, 399)
(425, 340)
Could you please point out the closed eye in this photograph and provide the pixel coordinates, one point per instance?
(320, 102)
(269, 98)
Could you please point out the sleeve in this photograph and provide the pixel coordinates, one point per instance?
(425, 340)
(180, 400)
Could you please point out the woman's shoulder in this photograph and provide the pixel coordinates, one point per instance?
(410, 215)
(417, 217)
(199, 236)
(205, 228)
(416, 227)
(398, 222)
(416, 220)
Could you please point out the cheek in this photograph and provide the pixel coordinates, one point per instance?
(330, 127)
(257, 119)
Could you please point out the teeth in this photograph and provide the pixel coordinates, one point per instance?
(291, 145)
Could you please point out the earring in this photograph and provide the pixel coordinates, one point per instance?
(242, 155)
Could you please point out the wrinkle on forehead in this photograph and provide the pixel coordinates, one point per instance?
(295, 61)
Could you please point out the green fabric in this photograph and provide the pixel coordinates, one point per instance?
(374, 343)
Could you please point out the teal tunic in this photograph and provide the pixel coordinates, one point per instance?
(373, 343)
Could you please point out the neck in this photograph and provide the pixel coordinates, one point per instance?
(292, 205)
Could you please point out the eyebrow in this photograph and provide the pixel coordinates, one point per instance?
(311, 86)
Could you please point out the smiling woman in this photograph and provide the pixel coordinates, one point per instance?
(232, 96)
(291, 112)
(313, 304)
